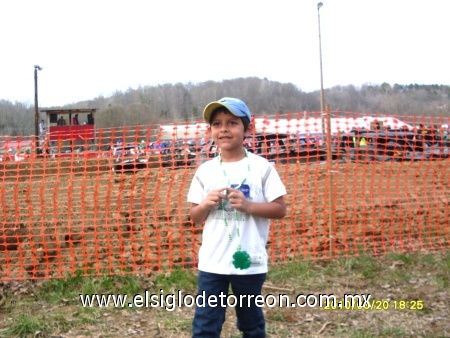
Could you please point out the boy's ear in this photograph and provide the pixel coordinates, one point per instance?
(249, 130)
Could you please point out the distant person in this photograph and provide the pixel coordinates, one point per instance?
(75, 121)
(446, 138)
(359, 141)
(61, 121)
(423, 130)
(42, 128)
(90, 118)
(42, 131)
(142, 146)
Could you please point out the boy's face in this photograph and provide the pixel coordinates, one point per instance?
(227, 131)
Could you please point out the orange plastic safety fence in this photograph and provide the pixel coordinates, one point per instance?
(117, 203)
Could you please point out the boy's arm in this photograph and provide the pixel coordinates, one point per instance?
(198, 213)
(272, 210)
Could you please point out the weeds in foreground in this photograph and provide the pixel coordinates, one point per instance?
(27, 324)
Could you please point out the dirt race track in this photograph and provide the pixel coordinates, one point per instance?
(60, 217)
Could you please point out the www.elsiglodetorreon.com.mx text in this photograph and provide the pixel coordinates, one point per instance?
(171, 301)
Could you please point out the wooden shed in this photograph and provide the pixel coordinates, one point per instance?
(70, 124)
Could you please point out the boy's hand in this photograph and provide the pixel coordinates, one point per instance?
(214, 198)
(237, 199)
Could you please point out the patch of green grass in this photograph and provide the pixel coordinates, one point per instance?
(53, 291)
(125, 284)
(442, 276)
(27, 325)
(276, 331)
(60, 320)
(57, 290)
(176, 280)
(304, 270)
(406, 258)
(276, 316)
(364, 265)
(392, 332)
(398, 276)
(87, 315)
(172, 322)
(360, 333)
(371, 332)
(413, 264)
(428, 259)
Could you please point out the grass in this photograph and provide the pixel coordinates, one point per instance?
(60, 290)
(26, 324)
(300, 269)
(53, 307)
(365, 265)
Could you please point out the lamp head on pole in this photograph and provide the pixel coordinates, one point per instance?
(37, 67)
(320, 4)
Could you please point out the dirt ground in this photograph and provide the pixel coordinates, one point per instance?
(61, 217)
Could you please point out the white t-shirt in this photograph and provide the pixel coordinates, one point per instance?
(260, 182)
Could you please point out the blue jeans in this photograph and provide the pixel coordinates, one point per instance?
(208, 320)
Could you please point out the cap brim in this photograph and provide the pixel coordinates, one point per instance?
(207, 112)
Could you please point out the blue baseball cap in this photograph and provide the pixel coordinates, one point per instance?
(236, 106)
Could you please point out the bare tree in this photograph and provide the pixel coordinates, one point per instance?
(181, 102)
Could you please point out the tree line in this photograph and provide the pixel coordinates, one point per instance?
(185, 102)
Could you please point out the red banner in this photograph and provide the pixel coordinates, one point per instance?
(78, 132)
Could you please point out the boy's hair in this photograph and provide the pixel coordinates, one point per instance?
(245, 120)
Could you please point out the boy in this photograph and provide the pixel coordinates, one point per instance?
(236, 194)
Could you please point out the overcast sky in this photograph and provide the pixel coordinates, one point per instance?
(89, 48)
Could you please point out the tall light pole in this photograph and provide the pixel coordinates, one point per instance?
(328, 145)
(36, 106)
(322, 105)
